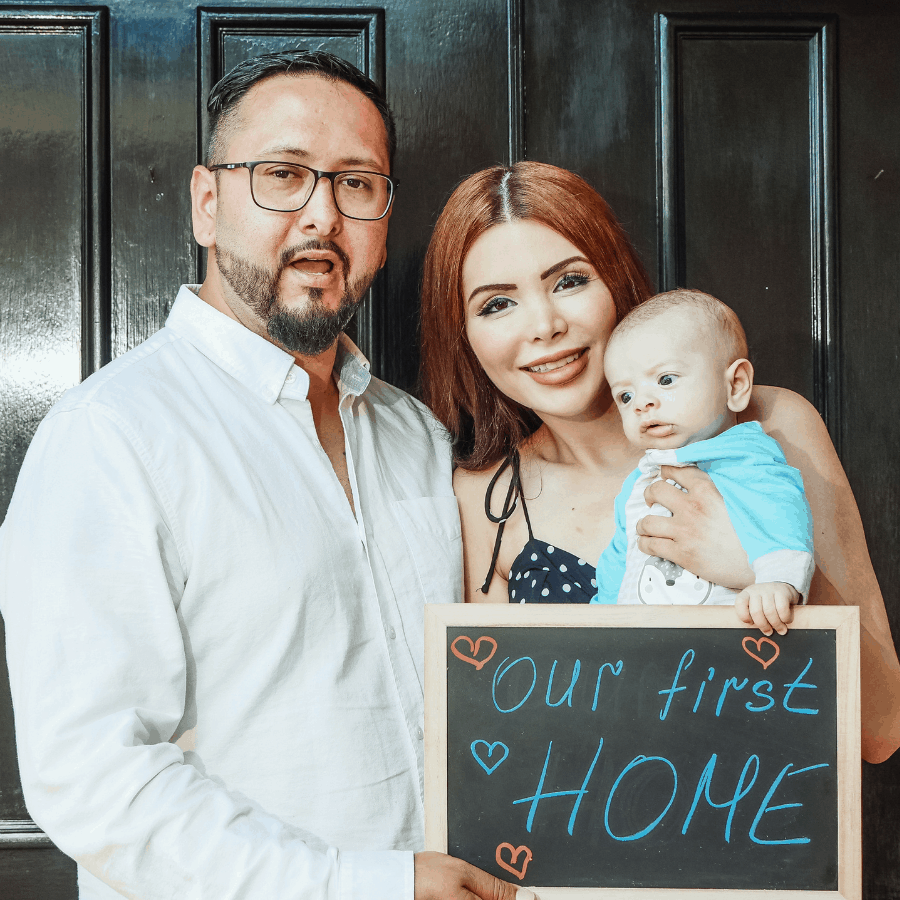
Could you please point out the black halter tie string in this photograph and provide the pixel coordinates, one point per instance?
(513, 493)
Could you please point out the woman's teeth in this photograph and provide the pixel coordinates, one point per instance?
(558, 364)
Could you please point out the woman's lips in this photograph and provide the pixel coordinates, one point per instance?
(559, 369)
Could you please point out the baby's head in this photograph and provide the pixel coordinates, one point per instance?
(678, 370)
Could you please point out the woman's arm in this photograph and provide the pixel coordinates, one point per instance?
(700, 538)
(479, 534)
(844, 573)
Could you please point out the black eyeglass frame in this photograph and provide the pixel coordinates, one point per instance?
(250, 166)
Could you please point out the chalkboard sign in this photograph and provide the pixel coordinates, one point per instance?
(585, 751)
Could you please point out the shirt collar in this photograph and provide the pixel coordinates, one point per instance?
(255, 362)
(351, 368)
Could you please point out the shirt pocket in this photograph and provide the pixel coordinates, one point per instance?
(433, 535)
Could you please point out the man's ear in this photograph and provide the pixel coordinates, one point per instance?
(739, 381)
(204, 197)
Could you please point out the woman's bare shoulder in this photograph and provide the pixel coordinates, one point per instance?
(478, 531)
(471, 485)
(796, 424)
(779, 406)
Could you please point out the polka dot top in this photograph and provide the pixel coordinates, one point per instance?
(541, 573)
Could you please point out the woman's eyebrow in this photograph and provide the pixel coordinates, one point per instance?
(491, 287)
(561, 265)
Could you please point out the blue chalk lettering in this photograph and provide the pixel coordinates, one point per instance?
(797, 683)
(567, 694)
(807, 769)
(689, 656)
(699, 695)
(584, 784)
(616, 670)
(730, 682)
(766, 696)
(501, 672)
(639, 761)
(712, 672)
(539, 794)
(739, 792)
(764, 808)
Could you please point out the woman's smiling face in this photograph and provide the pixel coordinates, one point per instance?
(538, 317)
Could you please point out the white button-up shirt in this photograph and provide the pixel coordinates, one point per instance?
(216, 666)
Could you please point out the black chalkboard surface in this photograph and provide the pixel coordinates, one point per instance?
(645, 749)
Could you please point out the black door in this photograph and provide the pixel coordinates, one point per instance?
(751, 148)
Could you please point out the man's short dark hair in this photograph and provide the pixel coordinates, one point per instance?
(227, 94)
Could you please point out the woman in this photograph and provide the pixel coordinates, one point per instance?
(525, 277)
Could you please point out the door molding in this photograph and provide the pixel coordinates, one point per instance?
(819, 33)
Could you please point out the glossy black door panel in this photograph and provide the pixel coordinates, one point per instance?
(53, 239)
(747, 181)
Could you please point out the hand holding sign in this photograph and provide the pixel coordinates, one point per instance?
(442, 877)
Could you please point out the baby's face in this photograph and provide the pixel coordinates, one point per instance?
(669, 383)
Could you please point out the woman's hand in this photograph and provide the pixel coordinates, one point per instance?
(699, 536)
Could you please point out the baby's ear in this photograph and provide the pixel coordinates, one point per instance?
(739, 381)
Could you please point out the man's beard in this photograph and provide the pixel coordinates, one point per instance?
(309, 331)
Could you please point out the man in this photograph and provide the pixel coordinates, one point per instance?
(213, 568)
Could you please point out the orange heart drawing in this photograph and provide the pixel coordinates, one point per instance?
(473, 657)
(514, 853)
(763, 640)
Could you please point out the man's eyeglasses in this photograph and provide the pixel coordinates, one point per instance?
(287, 187)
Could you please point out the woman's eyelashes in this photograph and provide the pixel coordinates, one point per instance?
(568, 282)
(572, 280)
(496, 305)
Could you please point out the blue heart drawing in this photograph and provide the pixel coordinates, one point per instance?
(490, 753)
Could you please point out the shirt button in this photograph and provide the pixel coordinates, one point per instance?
(391, 633)
(419, 733)
(291, 378)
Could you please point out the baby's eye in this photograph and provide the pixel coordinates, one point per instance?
(625, 398)
(667, 380)
(571, 280)
(496, 305)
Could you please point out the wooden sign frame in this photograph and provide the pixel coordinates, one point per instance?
(843, 619)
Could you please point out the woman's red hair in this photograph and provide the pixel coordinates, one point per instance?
(485, 425)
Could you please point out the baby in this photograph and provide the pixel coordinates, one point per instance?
(677, 369)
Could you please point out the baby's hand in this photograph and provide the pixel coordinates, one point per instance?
(768, 606)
